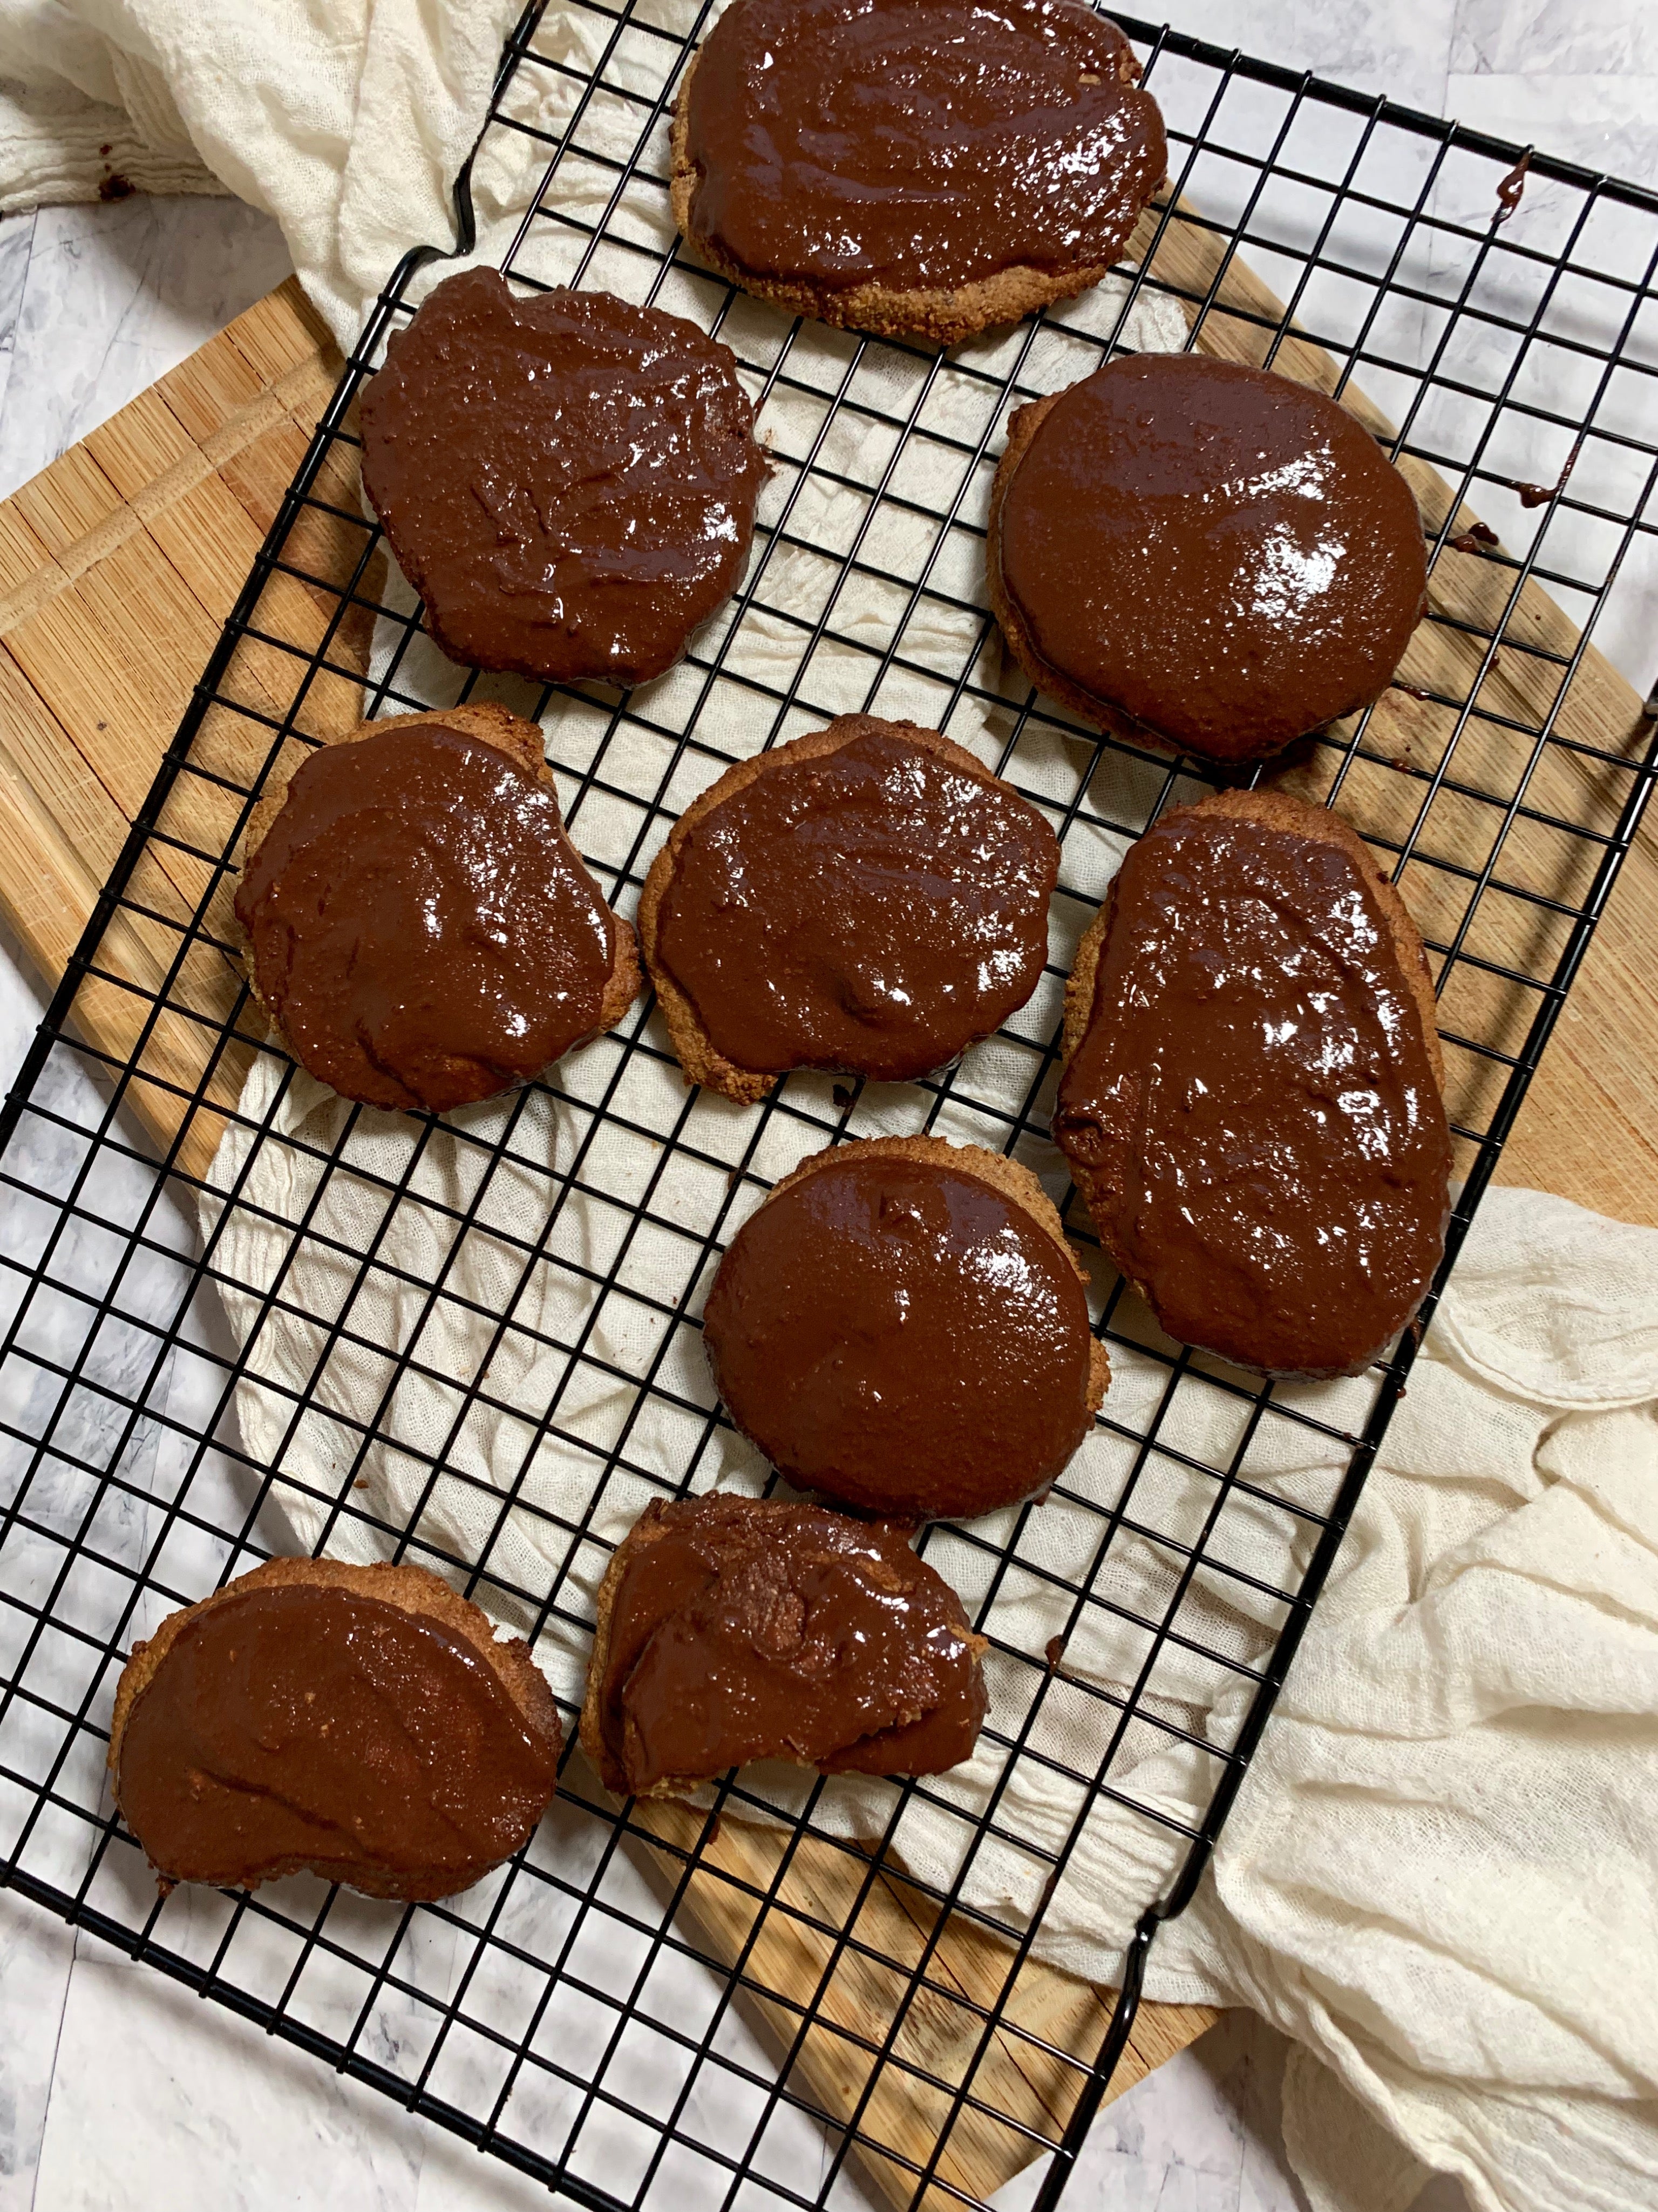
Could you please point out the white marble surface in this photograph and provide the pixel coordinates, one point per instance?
(119, 2091)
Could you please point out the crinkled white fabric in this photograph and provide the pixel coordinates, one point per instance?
(347, 121)
(1442, 1874)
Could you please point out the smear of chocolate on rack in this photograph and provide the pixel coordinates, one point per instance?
(1536, 495)
(1511, 190)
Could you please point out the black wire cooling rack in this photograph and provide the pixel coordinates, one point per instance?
(653, 2000)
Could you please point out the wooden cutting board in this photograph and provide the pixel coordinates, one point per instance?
(117, 566)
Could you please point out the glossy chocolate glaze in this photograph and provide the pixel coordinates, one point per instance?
(745, 1628)
(1225, 556)
(877, 908)
(902, 1337)
(569, 482)
(918, 144)
(1253, 1111)
(419, 924)
(306, 1726)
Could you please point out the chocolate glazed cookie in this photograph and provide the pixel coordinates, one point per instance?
(901, 1326)
(361, 1723)
(867, 898)
(569, 482)
(917, 167)
(737, 1628)
(417, 924)
(1205, 554)
(1251, 1097)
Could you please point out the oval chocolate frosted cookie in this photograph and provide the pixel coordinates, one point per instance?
(901, 1326)
(867, 898)
(361, 1723)
(418, 924)
(1251, 1097)
(568, 480)
(1210, 553)
(737, 1628)
(913, 166)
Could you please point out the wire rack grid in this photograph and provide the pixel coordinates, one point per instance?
(798, 1992)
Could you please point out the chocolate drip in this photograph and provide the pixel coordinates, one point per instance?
(1512, 189)
(904, 1337)
(1252, 1109)
(918, 144)
(568, 480)
(744, 1628)
(1223, 554)
(420, 925)
(1538, 494)
(877, 908)
(307, 1727)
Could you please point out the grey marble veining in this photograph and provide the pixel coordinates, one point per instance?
(113, 296)
(117, 2090)
(1547, 39)
(17, 236)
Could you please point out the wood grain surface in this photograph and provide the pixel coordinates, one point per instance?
(119, 565)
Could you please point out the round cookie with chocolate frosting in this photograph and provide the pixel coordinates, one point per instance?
(916, 167)
(901, 1326)
(568, 480)
(866, 898)
(416, 921)
(1204, 554)
(735, 1628)
(1251, 1101)
(361, 1723)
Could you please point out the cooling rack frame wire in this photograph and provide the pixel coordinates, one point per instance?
(715, 1903)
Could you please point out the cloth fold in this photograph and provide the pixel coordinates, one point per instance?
(1439, 1875)
(347, 122)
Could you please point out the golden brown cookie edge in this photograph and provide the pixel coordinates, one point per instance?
(1278, 810)
(411, 1589)
(698, 1056)
(944, 318)
(590, 1733)
(522, 741)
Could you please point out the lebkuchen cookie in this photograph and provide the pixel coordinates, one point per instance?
(901, 1326)
(566, 480)
(866, 898)
(1209, 555)
(361, 1723)
(416, 921)
(915, 168)
(734, 1628)
(1251, 1102)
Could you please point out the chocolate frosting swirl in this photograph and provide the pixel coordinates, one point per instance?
(419, 924)
(876, 906)
(1251, 1111)
(311, 1727)
(744, 1628)
(568, 480)
(1225, 556)
(904, 1336)
(919, 144)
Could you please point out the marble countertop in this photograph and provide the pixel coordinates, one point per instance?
(116, 2089)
